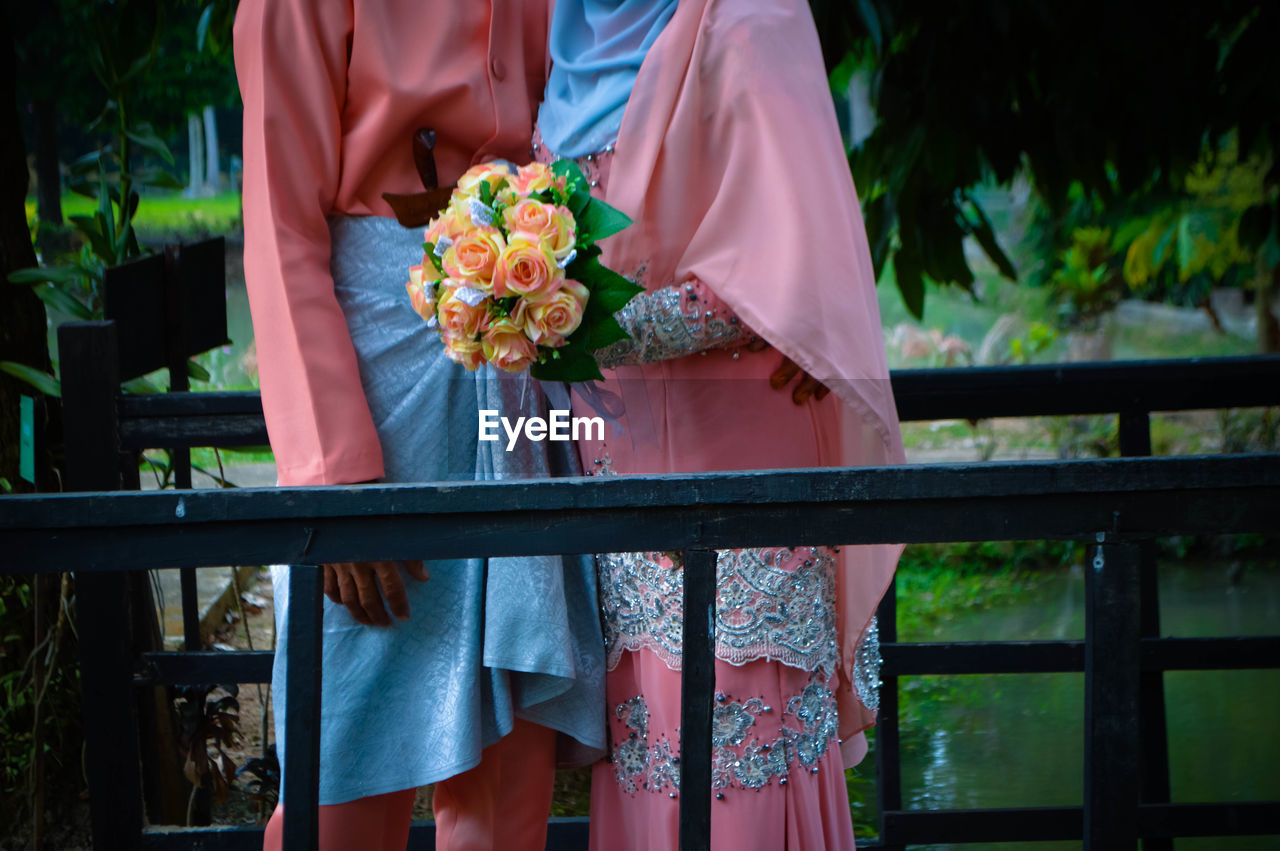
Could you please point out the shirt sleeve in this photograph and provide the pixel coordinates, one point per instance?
(672, 322)
(291, 60)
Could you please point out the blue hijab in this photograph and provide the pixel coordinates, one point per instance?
(597, 47)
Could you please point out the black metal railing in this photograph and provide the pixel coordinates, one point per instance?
(104, 537)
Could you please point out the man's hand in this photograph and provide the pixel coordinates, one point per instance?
(356, 586)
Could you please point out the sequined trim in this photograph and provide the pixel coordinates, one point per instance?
(866, 667)
(740, 756)
(671, 323)
(771, 603)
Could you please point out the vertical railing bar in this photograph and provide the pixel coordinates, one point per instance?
(697, 685)
(1112, 661)
(888, 741)
(90, 382)
(302, 696)
(1135, 441)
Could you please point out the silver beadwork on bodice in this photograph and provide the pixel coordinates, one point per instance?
(771, 603)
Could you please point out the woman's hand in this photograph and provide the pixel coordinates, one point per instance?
(356, 586)
(787, 370)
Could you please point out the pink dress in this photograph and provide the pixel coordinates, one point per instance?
(730, 163)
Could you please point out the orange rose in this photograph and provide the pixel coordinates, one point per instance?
(471, 259)
(550, 322)
(527, 268)
(506, 347)
(458, 319)
(549, 222)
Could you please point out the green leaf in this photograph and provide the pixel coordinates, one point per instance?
(140, 385)
(878, 219)
(603, 332)
(599, 220)
(579, 193)
(906, 268)
(202, 27)
(146, 137)
(198, 372)
(871, 20)
(986, 236)
(486, 193)
(40, 380)
(573, 364)
(62, 301)
(1161, 250)
(56, 275)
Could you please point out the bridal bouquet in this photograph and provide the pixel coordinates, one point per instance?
(511, 274)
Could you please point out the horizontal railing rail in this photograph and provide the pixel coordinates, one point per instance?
(1115, 501)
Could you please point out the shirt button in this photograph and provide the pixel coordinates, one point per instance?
(499, 70)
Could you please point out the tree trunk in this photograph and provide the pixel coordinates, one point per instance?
(212, 172)
(195, 153)
(48, 171)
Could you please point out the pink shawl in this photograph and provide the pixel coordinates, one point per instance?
(730, 162)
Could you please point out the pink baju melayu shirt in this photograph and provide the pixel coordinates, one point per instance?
(333, 92)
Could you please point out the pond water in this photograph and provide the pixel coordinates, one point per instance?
(1016, 740)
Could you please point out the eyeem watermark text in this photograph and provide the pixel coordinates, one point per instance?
(559, 426)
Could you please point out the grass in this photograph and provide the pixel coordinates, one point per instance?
(167, 213)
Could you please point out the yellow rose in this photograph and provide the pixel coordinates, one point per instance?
(506, 346)
(492, 173)
(466, 351)
(420, 294)
(526, 267)
(554, 224)
(452, 223)
(458, 319)
(550, 322)
(472, 257)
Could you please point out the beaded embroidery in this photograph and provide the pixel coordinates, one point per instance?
(866, 667)
(771, 603)
(671, 323)
(740, 756)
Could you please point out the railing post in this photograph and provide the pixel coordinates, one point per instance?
(1112, 768)
(697, 686)
(90, 379)
(888, 748)
(1135, 441)
(302, 696)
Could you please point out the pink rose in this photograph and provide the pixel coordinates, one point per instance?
(550, 322)
(471, 259)
(457, 318)
(547, 221)
(452, 223)
(527, 268)
(506, 347)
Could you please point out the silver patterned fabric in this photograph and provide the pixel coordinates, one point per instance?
(669, 323)
(488, 640)
(771, 603)
(753, 743)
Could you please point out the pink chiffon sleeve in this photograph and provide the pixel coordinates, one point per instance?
(291, 60)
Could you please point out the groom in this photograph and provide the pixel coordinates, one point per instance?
(421, 682)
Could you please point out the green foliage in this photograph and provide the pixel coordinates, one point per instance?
(975, 97)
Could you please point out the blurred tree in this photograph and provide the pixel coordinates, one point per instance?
(1105, 103)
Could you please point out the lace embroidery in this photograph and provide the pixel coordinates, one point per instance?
(671, 323)
(740, 756)
(771, 603)
(866, 667)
